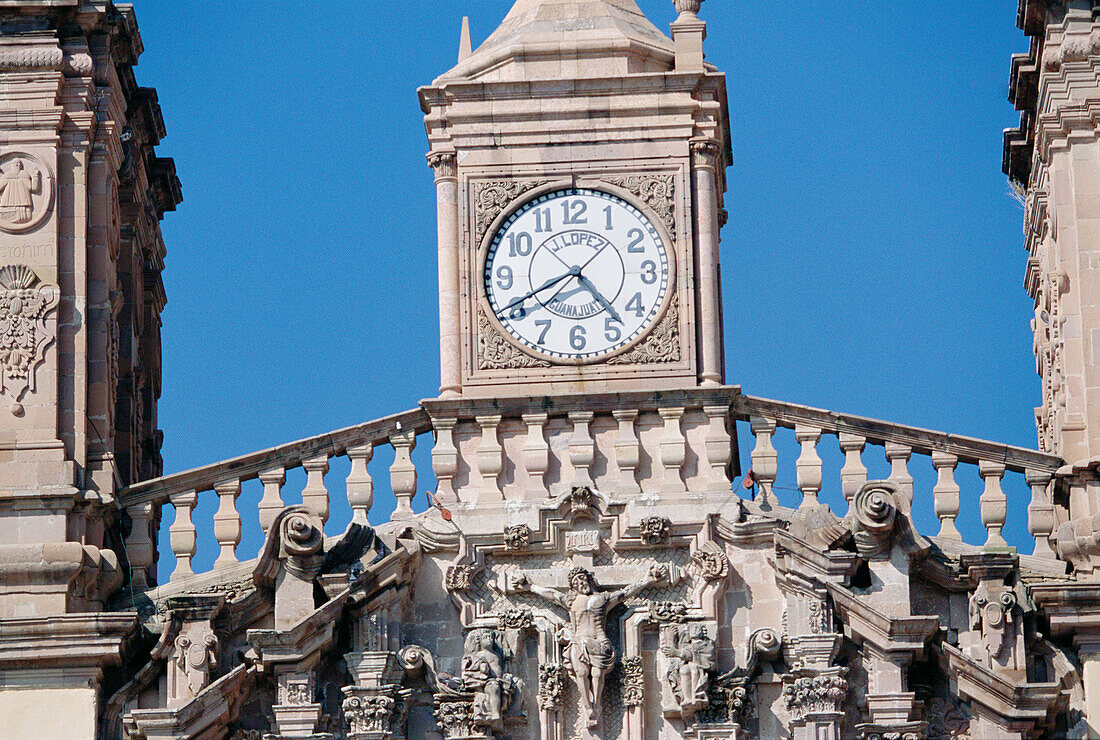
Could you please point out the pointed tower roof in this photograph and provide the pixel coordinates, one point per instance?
(549, 39)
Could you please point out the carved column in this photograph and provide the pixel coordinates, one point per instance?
(445, 164)
(706, 156)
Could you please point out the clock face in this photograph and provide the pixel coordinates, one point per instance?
(577, 274)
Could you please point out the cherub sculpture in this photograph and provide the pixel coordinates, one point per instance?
(691, 655)
(589, 650)
(483, 674)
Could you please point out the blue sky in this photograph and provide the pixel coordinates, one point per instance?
(872, 263)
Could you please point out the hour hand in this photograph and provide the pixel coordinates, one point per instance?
(548, 284)
(599, 297)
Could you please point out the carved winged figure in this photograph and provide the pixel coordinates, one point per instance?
(483, 673)
(589, 651)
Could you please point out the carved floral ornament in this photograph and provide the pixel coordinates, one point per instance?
(369, 713)
(26, 192)
(25, 332)
(460, 577)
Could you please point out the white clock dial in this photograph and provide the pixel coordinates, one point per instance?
(577, 274)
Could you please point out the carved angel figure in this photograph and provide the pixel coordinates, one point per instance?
(692, 657)
(483, 674)
(589, 650)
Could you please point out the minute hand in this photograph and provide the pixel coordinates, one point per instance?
(544, 286)
(599, 297)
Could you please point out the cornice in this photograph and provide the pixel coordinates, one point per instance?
(888, 634)
(70, 640)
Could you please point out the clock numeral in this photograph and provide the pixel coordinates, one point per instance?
(635, 305)
(610, 331)
(518, 312)
(520, 244)
(504, 277)
(576, 337)
(574, 212)
(635, 246)
(607, 212)
(649, 272)
(545, 326)
(542, 215)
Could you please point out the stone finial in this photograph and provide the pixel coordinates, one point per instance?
(690, 7)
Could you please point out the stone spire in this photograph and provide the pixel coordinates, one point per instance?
(575, 38)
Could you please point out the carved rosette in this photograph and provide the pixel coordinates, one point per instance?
(711, 563)
(460, 577)
(655, 530)
(494, 352)
(491, 198)
(551, 686)
(658, 192)
(516, 618)
(661, 345)
(25, 330)
(809, 695)
(633, 681)
(517, 537)
(668, 612)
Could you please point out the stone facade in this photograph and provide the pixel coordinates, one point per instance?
(598, 561)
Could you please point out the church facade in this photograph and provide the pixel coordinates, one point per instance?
(597, 561)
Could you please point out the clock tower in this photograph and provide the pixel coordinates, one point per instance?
(580, 157)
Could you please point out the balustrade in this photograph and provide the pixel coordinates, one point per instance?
(675, 443)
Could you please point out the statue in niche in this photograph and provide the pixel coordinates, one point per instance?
(483, 674)
(16, 188)
(691, 657)
(589, 650)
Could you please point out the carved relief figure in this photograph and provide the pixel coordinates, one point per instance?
(17, 185)
(692, 656)
(24, 330)
(590, 653)
(483, 674)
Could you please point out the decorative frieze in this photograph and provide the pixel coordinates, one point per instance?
(633, 681)
(711, 562)
(668, 612)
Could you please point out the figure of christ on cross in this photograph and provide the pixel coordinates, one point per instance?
(590, 652)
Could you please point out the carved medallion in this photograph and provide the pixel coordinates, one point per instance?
(26, 192)
(660, 345)
(25, 333)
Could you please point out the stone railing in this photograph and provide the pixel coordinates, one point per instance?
(644, 446)
(947, 452)
(143, 501)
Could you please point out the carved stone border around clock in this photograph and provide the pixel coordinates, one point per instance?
(494, 200)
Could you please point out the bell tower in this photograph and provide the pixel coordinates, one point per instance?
(579, 156)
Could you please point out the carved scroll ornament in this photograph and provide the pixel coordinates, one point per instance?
(661, 345)
(494, 352)
(656, 191)
(25, 330)
(491, 198)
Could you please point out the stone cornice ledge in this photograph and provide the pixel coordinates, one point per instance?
(888, 634)
(302, 643)
(1071, 607)
(70, 640)
(1008, 699)
(213, 707)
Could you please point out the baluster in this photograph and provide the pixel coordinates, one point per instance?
(181, 535)
(854, 473)
(673, 449)
(994, 503)
(765, 459)
(1040, 513)
(536, 455)
(272, 502)
(719, 448)
(139, 546)
(445, 460)
(359, 485)
(315, 495)
(582, 450)
(808, 467)
(898, 455)
(945, 494)
(227, 522)
(403, 473)
(490, 459)
(627, 450)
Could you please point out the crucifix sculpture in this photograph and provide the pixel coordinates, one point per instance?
(589, 650)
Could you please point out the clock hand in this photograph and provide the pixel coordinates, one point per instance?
(548, 284)
(599, 297)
